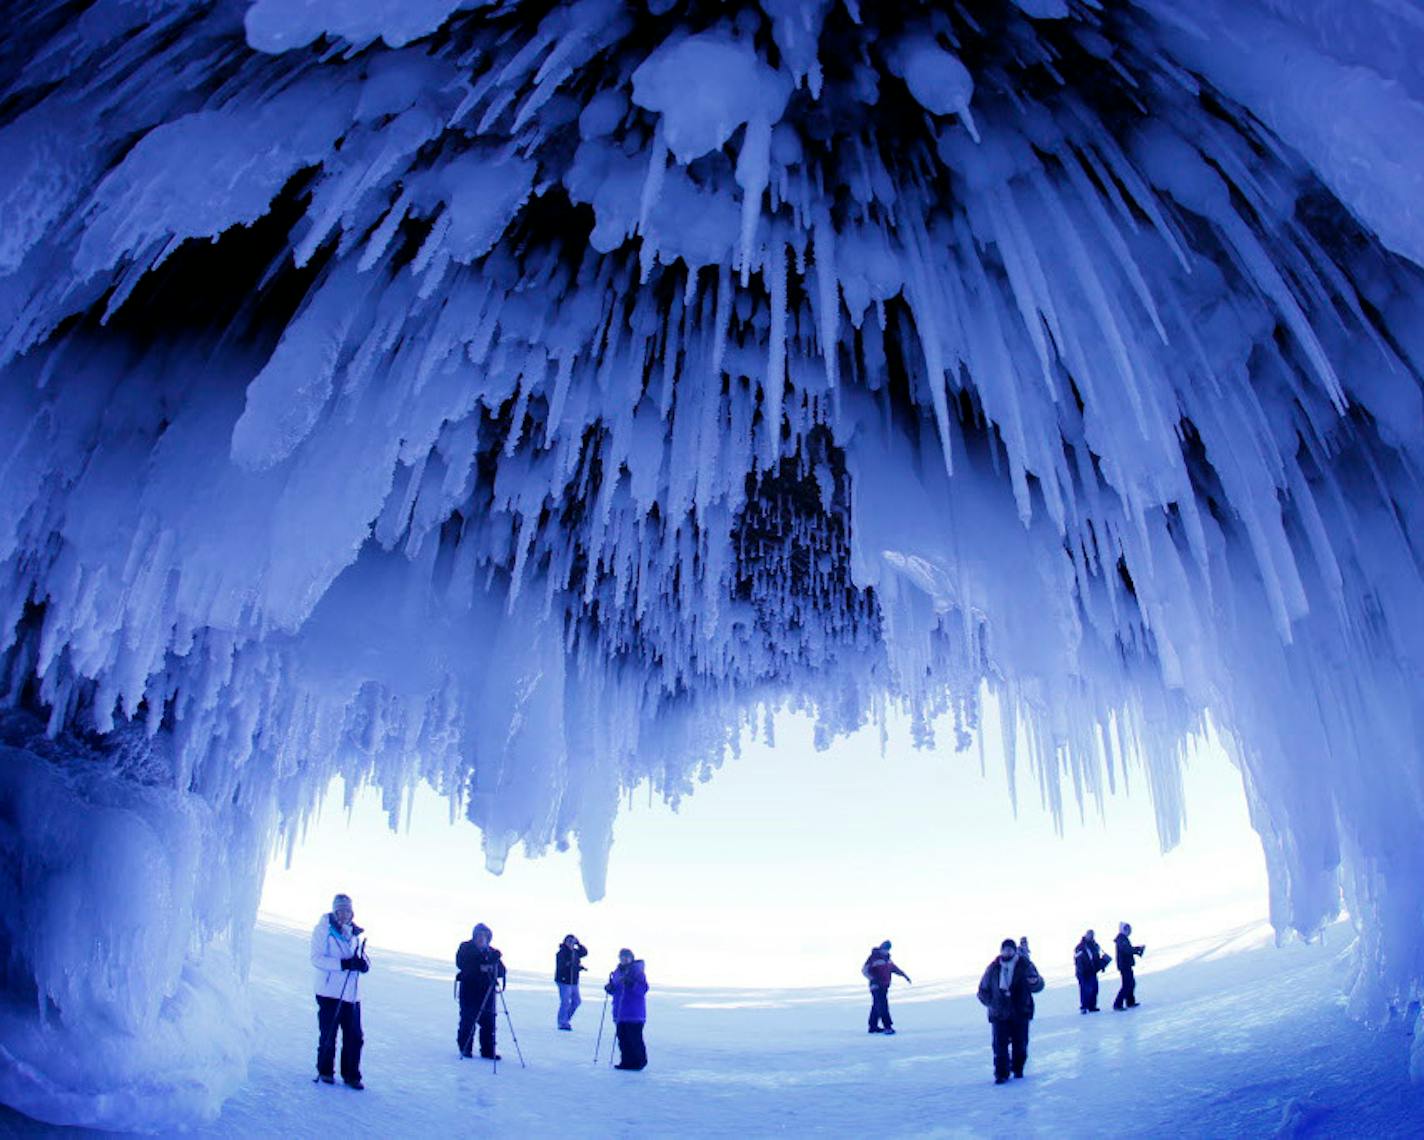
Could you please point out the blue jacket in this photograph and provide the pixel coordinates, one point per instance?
(629, 987)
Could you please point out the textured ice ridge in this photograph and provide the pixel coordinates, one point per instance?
(529, 397)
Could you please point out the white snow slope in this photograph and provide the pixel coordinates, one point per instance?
(530, 395)
(1227, 1042)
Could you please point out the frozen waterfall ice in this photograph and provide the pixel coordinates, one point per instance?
(526, 397)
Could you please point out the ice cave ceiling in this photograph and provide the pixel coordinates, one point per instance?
(526, 396)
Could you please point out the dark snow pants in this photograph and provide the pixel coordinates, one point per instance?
(1088, 992)
(477, 1009)
(632, 1054)
(1010, 1047)
(1127, 996)
(880, 1008)
(331, 1015)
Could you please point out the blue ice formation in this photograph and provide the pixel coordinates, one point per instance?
(527, 397)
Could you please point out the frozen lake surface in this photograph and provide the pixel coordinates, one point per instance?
(1234, 1038)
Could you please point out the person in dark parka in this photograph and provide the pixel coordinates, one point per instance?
(628, 986)
(1088, 962)
(878, 971)
(482, 974)
(568, 964)
(1127, 955)
(1006, 991)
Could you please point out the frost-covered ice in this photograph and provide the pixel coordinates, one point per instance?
(1226, 1043)
(531, 398)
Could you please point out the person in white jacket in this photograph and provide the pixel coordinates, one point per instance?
(338, 957)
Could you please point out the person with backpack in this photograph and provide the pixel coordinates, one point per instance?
(338, 958)
(568, 964)
(628, 987)
(1088, 962)
(1006, 991)
(878, 971)
(481, 976)
(1127, 955)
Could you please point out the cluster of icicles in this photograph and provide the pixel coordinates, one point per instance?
(526, 397)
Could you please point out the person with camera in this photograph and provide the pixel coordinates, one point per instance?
(1127, 955)
(568, 964)
(1006, 990)
(338, 958)
(1088, 962)
(481, 976)
(628, 987)
(878, 971)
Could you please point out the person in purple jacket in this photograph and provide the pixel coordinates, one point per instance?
(628, 985)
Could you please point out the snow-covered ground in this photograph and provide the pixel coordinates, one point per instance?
(1233, 1038)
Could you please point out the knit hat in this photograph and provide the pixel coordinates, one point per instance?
(338, 900)
(885, 945)
(480, 928)
(1008, 944)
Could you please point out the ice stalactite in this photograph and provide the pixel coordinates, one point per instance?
(526, 397)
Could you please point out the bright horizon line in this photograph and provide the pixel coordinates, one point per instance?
(1229, 940)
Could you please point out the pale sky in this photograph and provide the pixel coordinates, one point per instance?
(791, 863)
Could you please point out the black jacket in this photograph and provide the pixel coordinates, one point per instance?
(564, 962)
(1127, 953)
(1015, 1004)
(478, 970)
(1088, 958)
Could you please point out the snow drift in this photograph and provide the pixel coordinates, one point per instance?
(526, 397)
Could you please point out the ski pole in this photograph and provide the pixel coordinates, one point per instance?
(598, 1045)
(513, 1035)
(335, 1018)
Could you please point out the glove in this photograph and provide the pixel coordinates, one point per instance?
(907, 980)
(360, 965)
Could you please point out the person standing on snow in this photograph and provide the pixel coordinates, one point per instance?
(878, 970)
(1127, 955)
(628, 986)
(481, 974)
(338, 958)
(568, 965)
(1088, 962)
(1006, 990)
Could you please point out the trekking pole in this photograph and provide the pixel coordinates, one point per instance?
(598, 1045)
(513, 1035)
(335, 1019)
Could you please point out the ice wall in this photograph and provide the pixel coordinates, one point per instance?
(529, 397)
